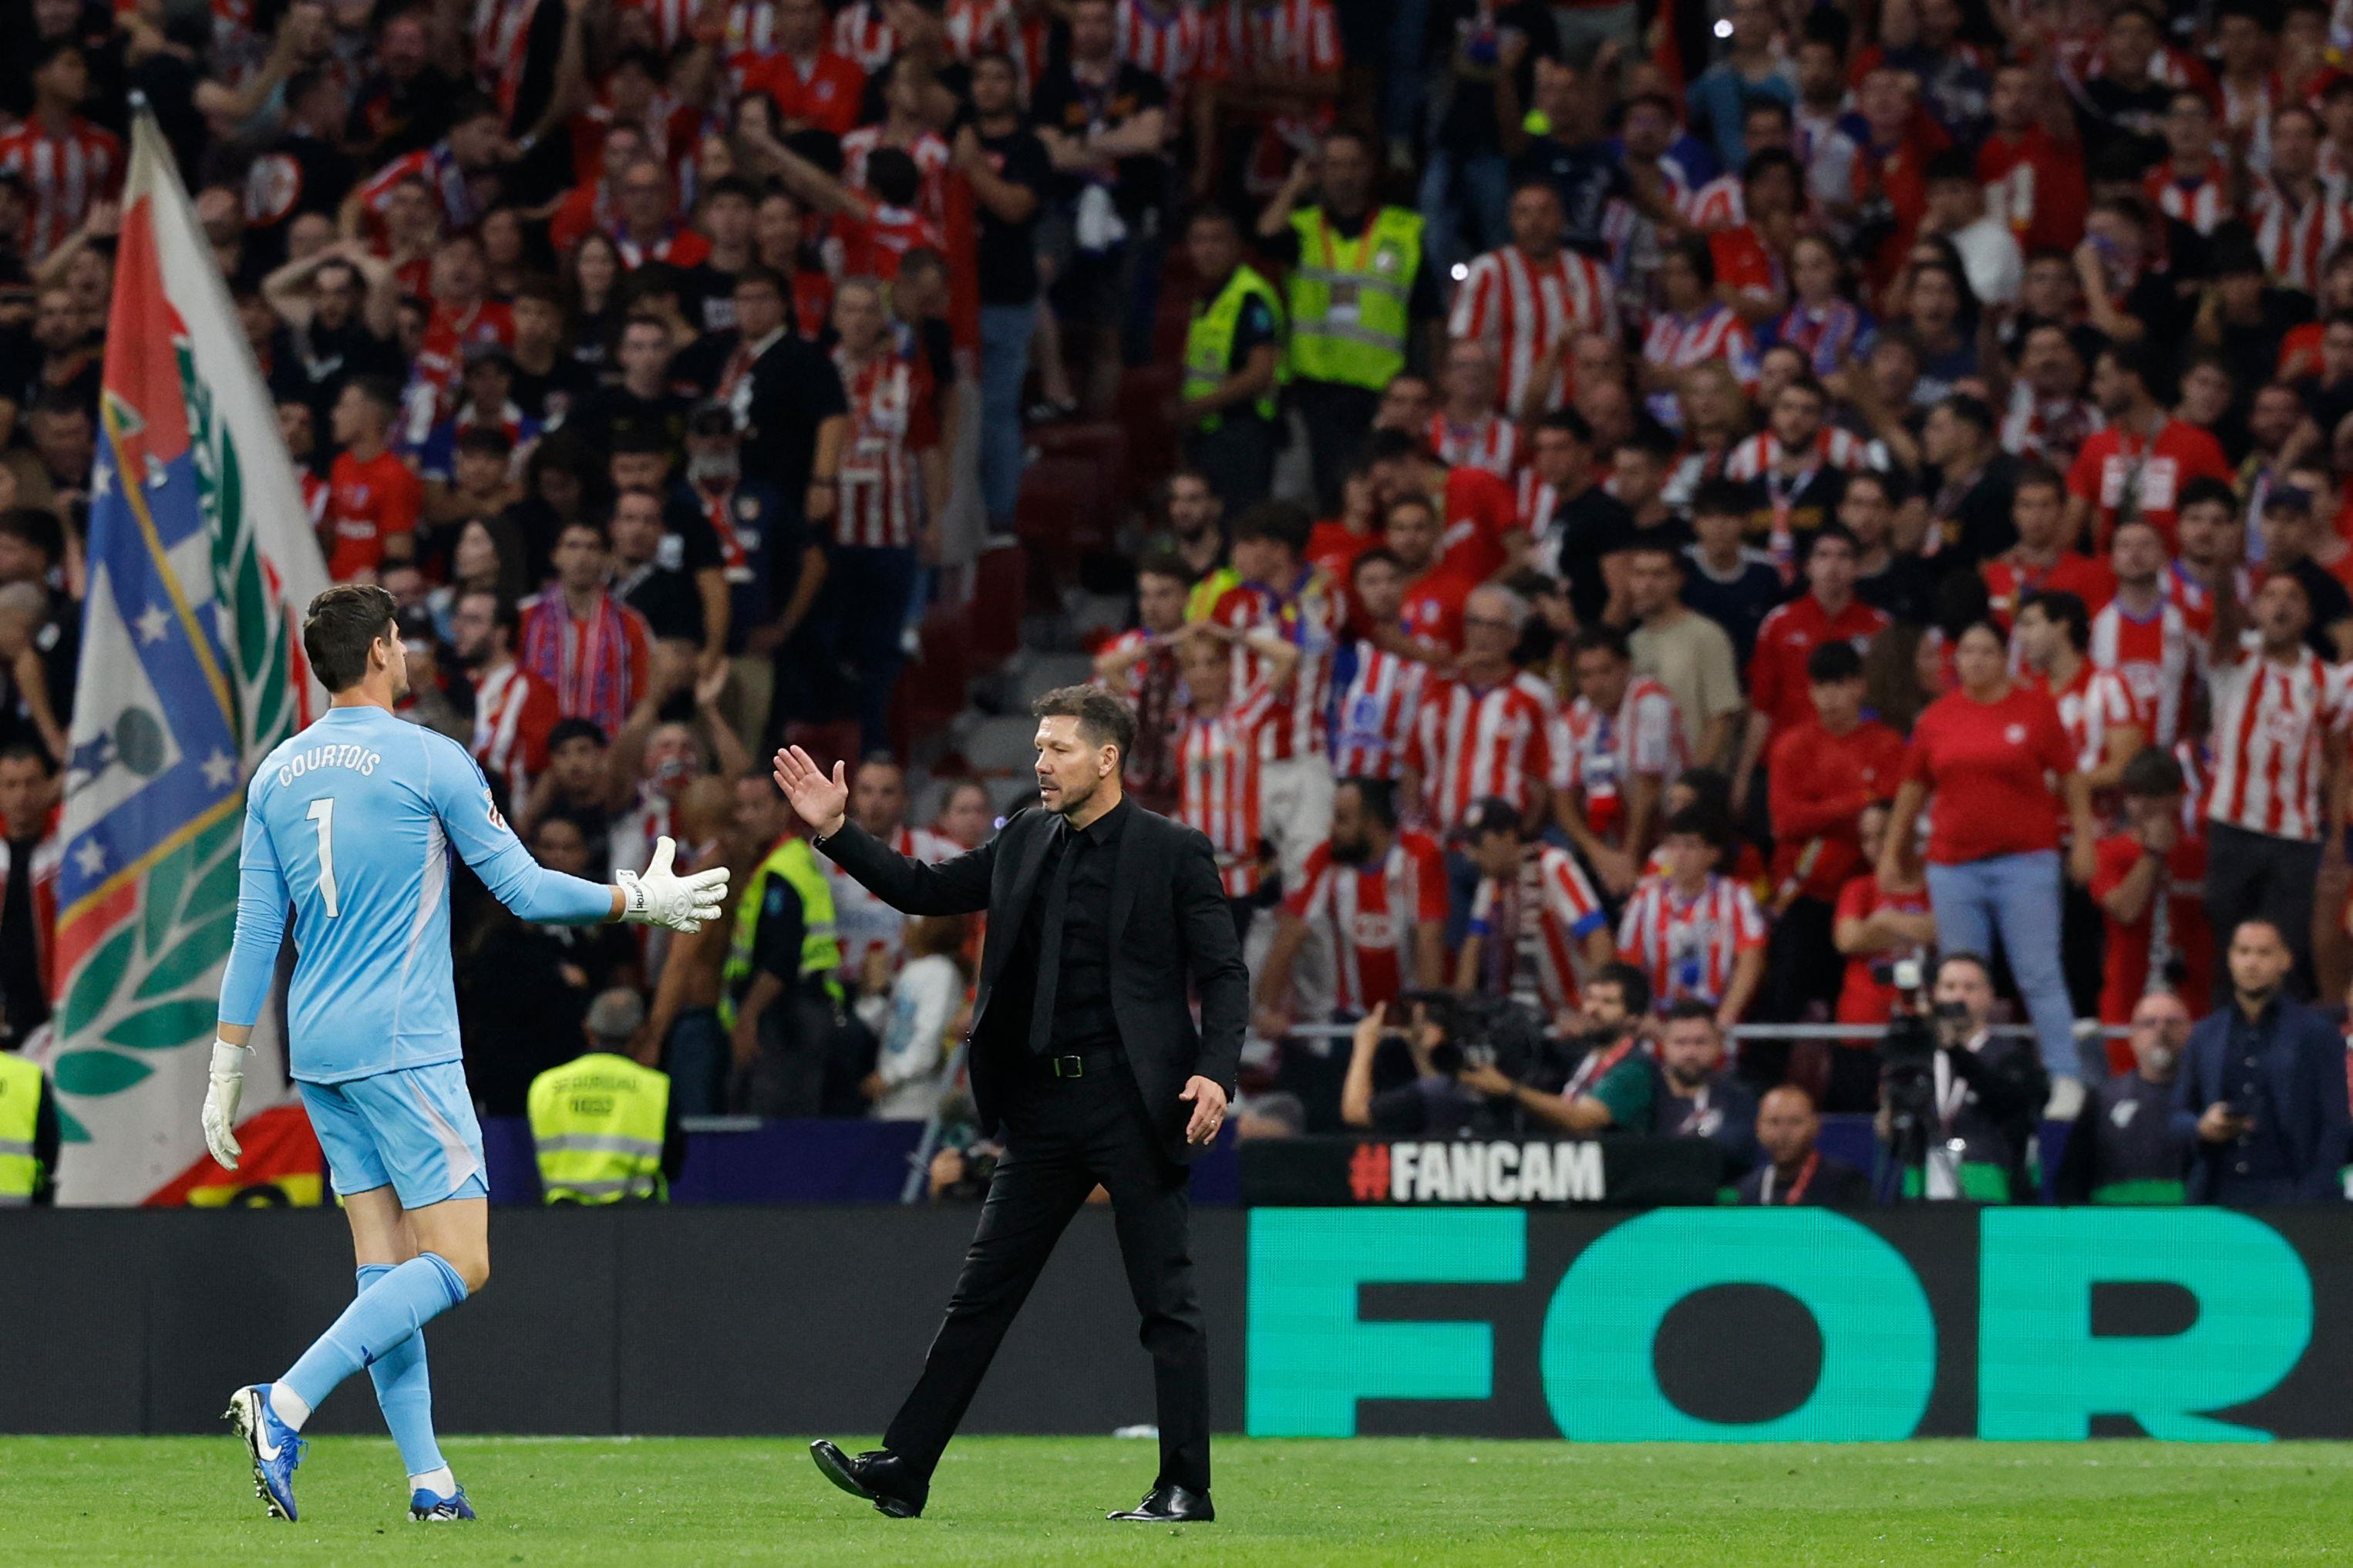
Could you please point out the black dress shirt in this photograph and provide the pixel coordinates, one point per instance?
(1083, 1016)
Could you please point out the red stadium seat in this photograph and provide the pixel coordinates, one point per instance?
(1142, 411)
(1056, 494)
(837, 741)
(1000, 591)
(931, 690)
(1101, 444)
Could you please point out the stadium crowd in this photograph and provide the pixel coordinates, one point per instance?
(1650, 510)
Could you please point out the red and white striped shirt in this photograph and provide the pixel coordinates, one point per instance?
(2202, 202)
(2273, 724)
(976, 27)
(1376, 714)
(513, 711)
(439, 170)
(1292, 38)
(2092, 706)
(672, 19)
(1310, 618)
(860, 32)
(1712, 333)
(1490, 442)
(2157, 658)
(2294, 239)
(1717, 204)
(1217, 785)
(1472, 743)
(863, 923)
(1167, 38)
(2053, 429)
(1529, 928)
(1608, 750)
(931, 157)
(1687, 946)
(1520, 309)
(1755, 457)
(1370, 912)
(751, 28)
(1534, 502)
(502, 46)
(891, 420)
(64, 174)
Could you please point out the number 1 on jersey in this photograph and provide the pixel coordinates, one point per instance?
(323, 812)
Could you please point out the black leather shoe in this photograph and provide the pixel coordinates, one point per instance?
(1169, 1505)
(878, 1476)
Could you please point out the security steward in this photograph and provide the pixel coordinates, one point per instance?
(779, 997)
(602, 1124)
(1234, 367)
(28, 1133)
(1359, 295)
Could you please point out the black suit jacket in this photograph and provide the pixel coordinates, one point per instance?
(1169, 923)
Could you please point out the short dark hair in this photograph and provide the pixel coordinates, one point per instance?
(37, 527)
(1378, 555)
(2203, 489)
(504, 612)
(1280, 522)
(1972, 411)
(340, 626)
(2038, 476)
(1104, 720)
(2068, 609)
(1568, 420)
(1983, 965)
(2153, 773)
(1633, 986)
(1697, 822)
(567, 729)
(1687, 1010)
(1722, 498)
(1601, 638)
(1833, 662)
(380, 390)
(1379, 796)
(1164, 563)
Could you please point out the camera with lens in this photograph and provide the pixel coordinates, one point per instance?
(1482, 1031)
(1907, 1055)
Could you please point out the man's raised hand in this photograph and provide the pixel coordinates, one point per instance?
(821, 801)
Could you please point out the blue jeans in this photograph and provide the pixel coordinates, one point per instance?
(1005, 332)
(700, 1056)
(1465, 198)
(868, 592)
(2017, 895)
(1406, 90)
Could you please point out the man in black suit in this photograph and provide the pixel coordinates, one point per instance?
(2261, 1089)
(1083, 1050)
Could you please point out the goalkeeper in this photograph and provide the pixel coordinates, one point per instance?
(350, 823)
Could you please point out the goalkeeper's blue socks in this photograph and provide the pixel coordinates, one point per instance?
(404, 1391)
(384, 1319)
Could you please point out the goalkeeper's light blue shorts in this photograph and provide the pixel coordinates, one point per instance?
(411, 1128)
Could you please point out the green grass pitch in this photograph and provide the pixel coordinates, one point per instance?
(648, 1504)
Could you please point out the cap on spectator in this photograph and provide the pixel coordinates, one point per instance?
(1493, 814)
(489, 352)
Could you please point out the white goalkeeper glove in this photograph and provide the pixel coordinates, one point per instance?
(221, 1095)
(661, 897)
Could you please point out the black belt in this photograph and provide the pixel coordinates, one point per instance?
(1087, 1062)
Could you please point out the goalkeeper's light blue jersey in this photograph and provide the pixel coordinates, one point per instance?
(350, 823)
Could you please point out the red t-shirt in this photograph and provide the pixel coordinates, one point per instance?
(828, 97)
(2008, 583)
(1433, 606)
(1818, 784)
(1776, 670)
(1742, 261)
(2179, 453)
(2123, 978)
(1332, 548)
(1479, 509)
(2035, 184)
(1986, 764)
(1862, 998)
(367, 503)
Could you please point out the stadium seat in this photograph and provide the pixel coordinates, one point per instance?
(1102, 445)
(999, 593)
(931, 690)
(834, 741)
(1141, 410)
(1056, 495)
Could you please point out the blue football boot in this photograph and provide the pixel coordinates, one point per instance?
(429, 1507)
(277, 1449)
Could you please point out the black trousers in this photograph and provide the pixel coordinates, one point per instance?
(2251, 875)
(1237, 458)
(1061, 1137)
(1338, 418)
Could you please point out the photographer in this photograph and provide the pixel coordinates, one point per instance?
(1613, 1084)
(1958, 1106)
(1439, 1102)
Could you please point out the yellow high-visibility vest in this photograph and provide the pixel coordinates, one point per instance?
(597, 1123)
(1210, 340)
(1350, 297)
